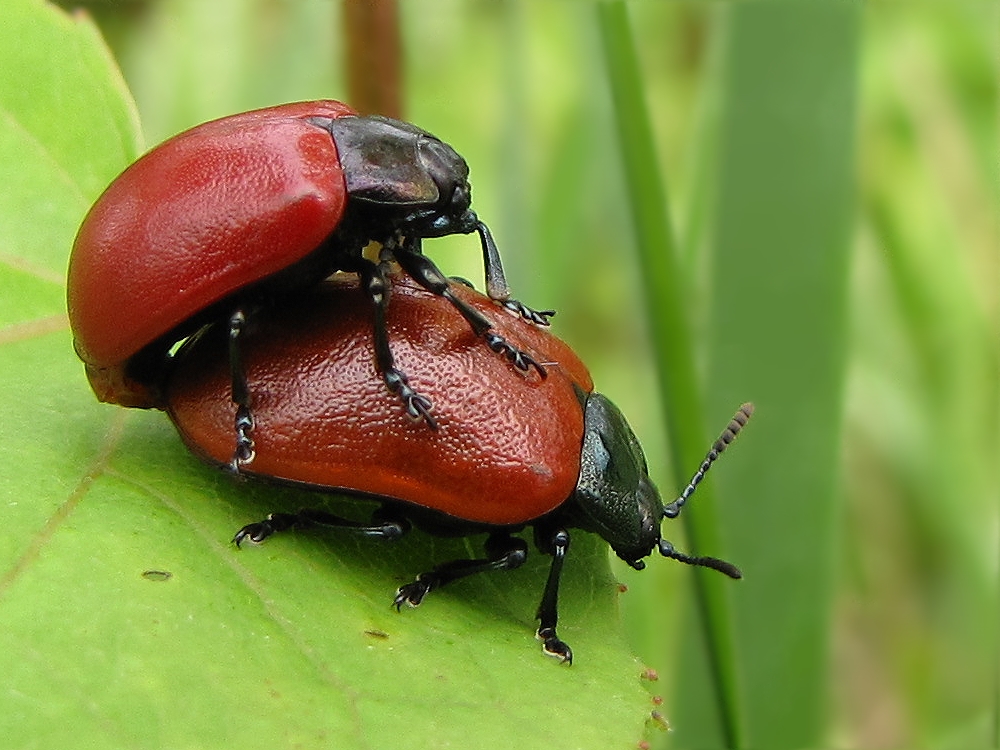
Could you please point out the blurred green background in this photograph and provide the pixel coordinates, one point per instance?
(793, 203)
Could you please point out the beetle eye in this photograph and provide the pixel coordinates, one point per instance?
(461, 198)
(448, 170)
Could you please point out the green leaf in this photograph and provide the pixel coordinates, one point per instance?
(129, 618)
(68, 128)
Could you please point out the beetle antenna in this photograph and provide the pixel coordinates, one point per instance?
(737, 423)
(727, 568)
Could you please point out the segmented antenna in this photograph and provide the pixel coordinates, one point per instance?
(727, 568)
(737, 423)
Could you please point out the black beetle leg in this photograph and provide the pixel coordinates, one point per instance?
(504, 551)
(538, 317)
(429, 276)
(245, 451)
(377, 288)
(548, 607)
(496, 282)
(382, 525)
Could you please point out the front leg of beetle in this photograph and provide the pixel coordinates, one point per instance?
(429, 276)
(548, 608)
(496, 282)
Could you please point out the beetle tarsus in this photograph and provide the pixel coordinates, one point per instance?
(521, 360)
(538, 317)
(553, 646)
(246, 450)
(418, 407)
(255, 532)
(412, 594)
(258, 532)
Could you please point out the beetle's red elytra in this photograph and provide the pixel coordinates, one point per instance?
(207, 214)
(324, 418)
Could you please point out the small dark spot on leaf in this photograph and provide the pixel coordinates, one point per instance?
(157, 575)
(380, 634)
(659, 720)
(650, 674)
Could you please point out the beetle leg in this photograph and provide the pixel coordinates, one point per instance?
(496, 282)
(245, 451)
(417, 406)
(504, 551)
(548, 607)
(429, 276)
(387, 527)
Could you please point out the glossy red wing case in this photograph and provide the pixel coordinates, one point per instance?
(210, 211)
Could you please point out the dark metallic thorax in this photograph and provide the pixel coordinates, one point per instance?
(402, 176)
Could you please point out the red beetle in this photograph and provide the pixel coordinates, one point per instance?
(223, 218)
(508, 454)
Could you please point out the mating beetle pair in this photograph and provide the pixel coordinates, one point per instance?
(229, 215)
(193, 222)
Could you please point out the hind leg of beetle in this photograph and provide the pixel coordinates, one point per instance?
(429, 276)
(504, 552)
(496, 282)
(383, 525)
(245, 451)
(548, 608)
(374, 283)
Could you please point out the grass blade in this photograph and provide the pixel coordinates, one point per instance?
(670, 330)
(780, 239)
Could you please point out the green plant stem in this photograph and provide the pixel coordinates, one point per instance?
(670, 332)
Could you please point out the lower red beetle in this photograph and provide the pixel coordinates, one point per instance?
(509, 454)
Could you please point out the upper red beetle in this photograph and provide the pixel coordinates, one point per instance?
(230, 214)
(552, 455)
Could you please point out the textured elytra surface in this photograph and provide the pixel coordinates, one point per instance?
(507, 447)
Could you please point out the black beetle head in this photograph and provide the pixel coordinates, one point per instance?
(615, 496)
(403, 177)
(450, 174)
